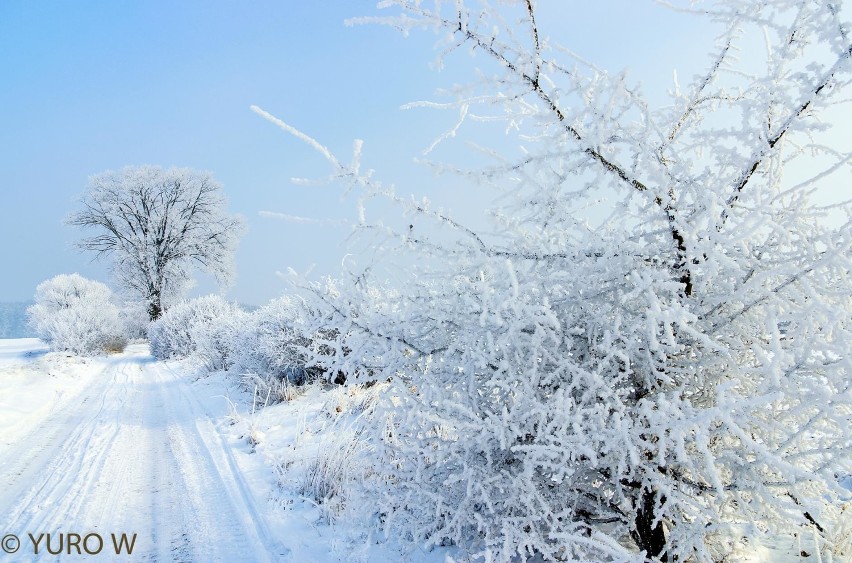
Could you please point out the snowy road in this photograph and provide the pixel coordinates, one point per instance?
(135, 452)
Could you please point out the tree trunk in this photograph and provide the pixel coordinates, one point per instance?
(154, 309)
(649, 537)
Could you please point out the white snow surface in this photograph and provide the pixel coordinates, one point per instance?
(16, 351)
(126, 444)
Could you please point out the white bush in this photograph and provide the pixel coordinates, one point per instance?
(216, 339)
(284, 346)
(74, 314)
(267, 347)
(134, 319)
(189, 327)
(272, 346)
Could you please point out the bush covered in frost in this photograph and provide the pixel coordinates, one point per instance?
(648, 358)
(282, 345)
(271, 344)
(134, 319)
(75, 314)
(194, 326)
(216, 341)
(271, 349)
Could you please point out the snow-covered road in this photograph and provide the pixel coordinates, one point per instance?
(134, 452)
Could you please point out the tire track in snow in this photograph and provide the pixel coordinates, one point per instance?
(218, 494)
(41, 453)
(137, 455)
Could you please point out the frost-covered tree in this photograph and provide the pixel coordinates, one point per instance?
(75, 314)
(650, 359)
(157, 226)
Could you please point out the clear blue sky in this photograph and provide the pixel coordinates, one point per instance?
(94, 85)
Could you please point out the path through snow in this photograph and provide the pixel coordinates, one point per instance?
(133, 452)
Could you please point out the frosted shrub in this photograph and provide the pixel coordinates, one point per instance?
(176, 334)
(74, 314)
(272, 345)
(282, 346)
(134, 319)
(215, 339)
(651, 359)
(169, 335)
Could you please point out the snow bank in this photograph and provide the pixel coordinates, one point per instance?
(33, 383)
(307, 458)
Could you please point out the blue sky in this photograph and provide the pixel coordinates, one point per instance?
(96, 85)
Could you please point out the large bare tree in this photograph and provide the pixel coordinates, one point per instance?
(157, 226)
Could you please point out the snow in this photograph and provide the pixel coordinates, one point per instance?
(32, 384)
(128, 449)
(126, 444)
(290, 437)
(16, 351)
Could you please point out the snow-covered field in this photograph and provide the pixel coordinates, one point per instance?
(126, 444)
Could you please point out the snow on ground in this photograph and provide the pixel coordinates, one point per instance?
(17, 351)
(125, 447)
(126, 444)
(32, 384)
(310, 444)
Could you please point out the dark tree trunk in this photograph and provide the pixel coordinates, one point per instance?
(649, 537)
(154, 310)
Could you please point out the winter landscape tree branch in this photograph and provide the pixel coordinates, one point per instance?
(157, 225)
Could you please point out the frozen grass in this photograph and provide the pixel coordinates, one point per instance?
(314, 446)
